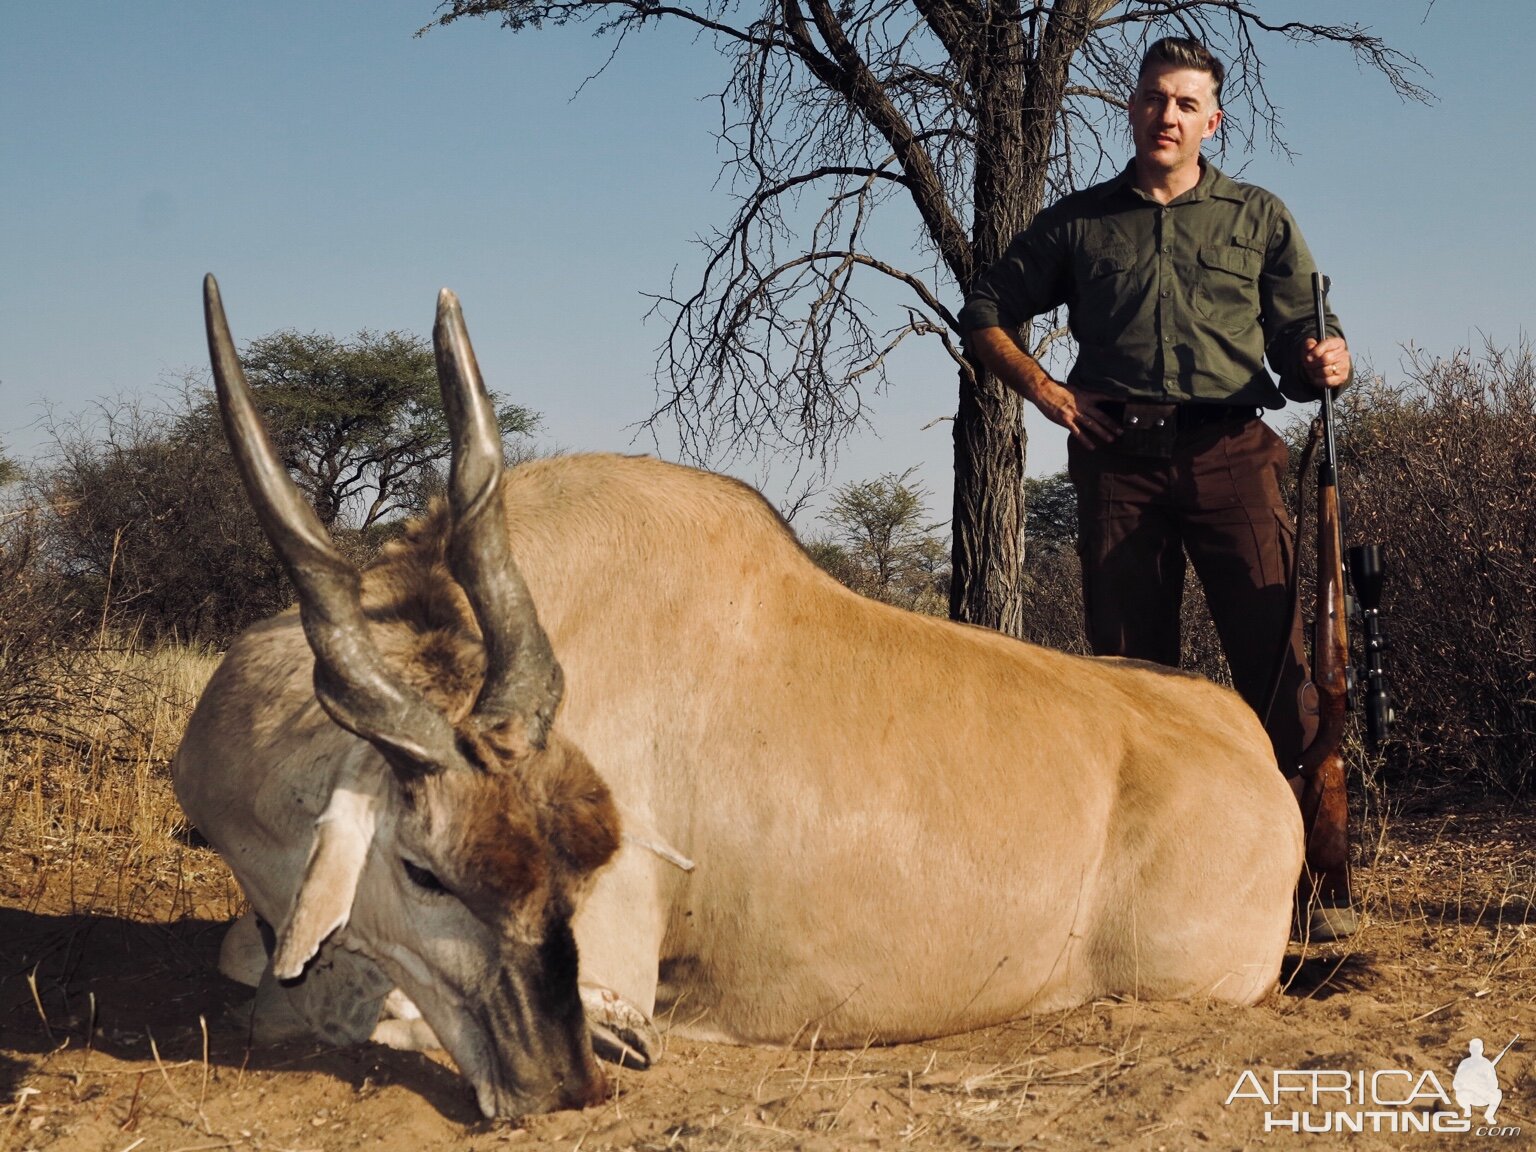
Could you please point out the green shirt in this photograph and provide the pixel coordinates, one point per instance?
(1176, 302)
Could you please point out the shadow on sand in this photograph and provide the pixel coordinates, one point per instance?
(66, 981)
(1319, 976)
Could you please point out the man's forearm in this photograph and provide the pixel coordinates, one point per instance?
(1009, 362)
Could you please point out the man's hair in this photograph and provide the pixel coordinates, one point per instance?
(1179, 52)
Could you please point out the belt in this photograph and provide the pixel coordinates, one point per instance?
(1191, 415)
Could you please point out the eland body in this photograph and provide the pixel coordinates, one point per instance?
(765, 809)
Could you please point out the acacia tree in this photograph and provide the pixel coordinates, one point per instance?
(882, 544)
(148, 517)
(358, 423)
(1050, 508)
(969, 114)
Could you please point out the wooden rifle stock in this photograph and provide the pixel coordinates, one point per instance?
(1324, 801)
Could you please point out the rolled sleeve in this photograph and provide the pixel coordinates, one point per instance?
(1029, 279)
(1286, 297)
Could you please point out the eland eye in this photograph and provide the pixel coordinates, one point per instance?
(422, 878)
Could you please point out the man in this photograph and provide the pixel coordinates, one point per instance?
(1476, 1084)
(1178, 282)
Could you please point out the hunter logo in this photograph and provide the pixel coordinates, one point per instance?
(1477, 1081)
(1338, 1100)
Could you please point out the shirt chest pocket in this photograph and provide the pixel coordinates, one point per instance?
(1228, 289)
(1106, 291)
(1110, 260)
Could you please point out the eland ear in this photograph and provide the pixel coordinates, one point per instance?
(343, 835)
(579, 814)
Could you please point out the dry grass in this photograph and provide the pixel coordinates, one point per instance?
(117, 1034)
(90, 803)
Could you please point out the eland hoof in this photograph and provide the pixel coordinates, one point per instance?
(621, 1033)
(1326, 924)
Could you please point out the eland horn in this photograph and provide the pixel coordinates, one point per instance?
(523, 681)
(352, 682)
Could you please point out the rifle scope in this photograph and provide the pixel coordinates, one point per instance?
(1367, 572)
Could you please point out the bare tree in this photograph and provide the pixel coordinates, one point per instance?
(971, 115)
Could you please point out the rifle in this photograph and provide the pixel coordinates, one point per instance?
(1325, 800)
(1505, 1049)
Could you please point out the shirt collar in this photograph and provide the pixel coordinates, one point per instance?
(1213, 184)
(1217, 184)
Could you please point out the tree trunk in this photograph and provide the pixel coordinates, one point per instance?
(1020, 96)
(987, 586)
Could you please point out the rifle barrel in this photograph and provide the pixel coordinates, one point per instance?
(1327, 467)
(1505, 1049)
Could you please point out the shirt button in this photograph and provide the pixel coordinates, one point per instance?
(1166, 293)
(1167, 247)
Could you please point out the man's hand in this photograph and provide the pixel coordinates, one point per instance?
(1327, 365)
(1001, 351)
(1077, 413)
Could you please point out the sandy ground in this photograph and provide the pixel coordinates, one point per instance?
(116, 1034)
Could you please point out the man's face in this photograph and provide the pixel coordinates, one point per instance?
(1172, 111)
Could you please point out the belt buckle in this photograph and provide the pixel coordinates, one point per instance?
(1148, 428)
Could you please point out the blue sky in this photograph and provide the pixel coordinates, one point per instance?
(334, 171)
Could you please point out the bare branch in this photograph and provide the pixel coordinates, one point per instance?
(1399, 68)
(518, 15)
(1047, 339)
(881, 266)
(1098, 94)
(917, 325)
(795, 504)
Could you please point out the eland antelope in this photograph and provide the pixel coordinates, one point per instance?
(606, 707)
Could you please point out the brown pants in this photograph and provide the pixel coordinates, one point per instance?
(1219, 501)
